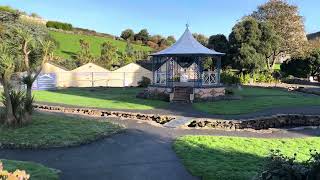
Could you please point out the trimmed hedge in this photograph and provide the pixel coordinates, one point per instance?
(59, 25)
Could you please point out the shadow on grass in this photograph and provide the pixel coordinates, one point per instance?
(71, 54)
(209, 163)
(100, 97)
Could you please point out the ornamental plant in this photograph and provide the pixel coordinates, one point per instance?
(16, 175)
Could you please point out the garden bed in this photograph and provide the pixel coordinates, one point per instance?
(51, 131)
(36, 171)
(259, 123)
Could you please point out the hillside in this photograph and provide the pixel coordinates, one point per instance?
(69, 44)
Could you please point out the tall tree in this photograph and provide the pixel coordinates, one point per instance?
(108, 55)
(171, 40)
(244, 45)
(84, 56)
(127, 34)
(6, 70)
(143, 36)
(220, 43)
(36, 47)
(201, 38)
(288, 25)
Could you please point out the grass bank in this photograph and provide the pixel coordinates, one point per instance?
(110, 98)
(47, 131)
(257, 99)
(36, 171)
(226, 158)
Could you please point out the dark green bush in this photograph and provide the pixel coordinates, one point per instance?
(281, 167)
(145, 82)
(59, 25)
(229, 77)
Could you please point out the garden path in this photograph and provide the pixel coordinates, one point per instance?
(142, 152)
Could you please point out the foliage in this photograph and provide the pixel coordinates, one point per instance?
(280, 166)
(257, 99)
(108, 55)
(143, 36)
(145, 82)
(36, 171)
(84, 56)
(288, 25)
(225, 158)
(59, 25)
(69, 46)
(171, 40)
(117, 98)
(245, 45)
(16, 175)
(48, 131)
(21, 106)
(201, 38)
(127, 34)
(303, 67)
(8, 9)
(229, 77)
(220, 43)
(245, 78)
(263, 77)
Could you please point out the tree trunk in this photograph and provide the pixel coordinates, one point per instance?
(10, 119)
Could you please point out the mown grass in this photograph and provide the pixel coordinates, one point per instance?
(46, 131)
(36, 171)
(110, 98)
(256, 99)
(69, 44)
(228, 158)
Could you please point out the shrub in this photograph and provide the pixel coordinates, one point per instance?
(16, 175)
(245, 78)
(21, 107)
(263, 77)
(59, 25)
(229, 77)
(145, 82)
(279, 167)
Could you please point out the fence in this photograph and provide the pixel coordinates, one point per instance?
(99, 79)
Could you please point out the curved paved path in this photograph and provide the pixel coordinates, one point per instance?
(142, 152)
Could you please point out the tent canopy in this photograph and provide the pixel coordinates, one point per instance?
(187, 45)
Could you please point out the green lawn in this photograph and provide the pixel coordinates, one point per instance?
(47, 131)
(36, 171)
(256, 99)
(112, 98)
(235, 158)
(69, 44)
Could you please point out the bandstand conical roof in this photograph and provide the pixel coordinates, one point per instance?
(187, 45)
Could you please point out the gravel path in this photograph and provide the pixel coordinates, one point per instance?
(142, 152)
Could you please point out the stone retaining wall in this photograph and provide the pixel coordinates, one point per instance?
(277, 121)
(104, 113)
(158, 93)
(207, 94)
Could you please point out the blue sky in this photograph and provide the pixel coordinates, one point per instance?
(165, 17)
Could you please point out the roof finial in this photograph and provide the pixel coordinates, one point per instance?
(187, 25)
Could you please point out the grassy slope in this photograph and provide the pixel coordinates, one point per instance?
(111, 98)
(255, 99)
(69, 44)
(235, 158)
(55, 131)
(36, 171)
